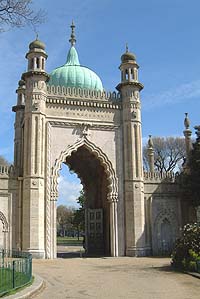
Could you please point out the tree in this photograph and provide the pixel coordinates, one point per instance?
(186, 252)
(79, 215)
(18, 13)
(190, 179)
(169, 153)
(65, 217)
(3, 161)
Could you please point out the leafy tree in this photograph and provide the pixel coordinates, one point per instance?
(79, 215)
(65, 217)
(190, 179)
(18, 13)
(187, 248)
(169, 153)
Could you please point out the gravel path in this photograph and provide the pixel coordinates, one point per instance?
(124, 277)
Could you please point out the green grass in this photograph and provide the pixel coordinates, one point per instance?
(70, 241)
(6, 281)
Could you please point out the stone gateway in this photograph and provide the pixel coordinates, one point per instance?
(67, 117)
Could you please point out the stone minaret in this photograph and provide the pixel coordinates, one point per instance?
(18, 164)
(130, 89)
(150, 152)
(33, 201)
(187, 133)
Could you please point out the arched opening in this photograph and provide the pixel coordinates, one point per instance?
(166, 240)
(100, 184)
(94, 180)
(95, 183)
(70, 228)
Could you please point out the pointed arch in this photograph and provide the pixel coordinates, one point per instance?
(101, 156)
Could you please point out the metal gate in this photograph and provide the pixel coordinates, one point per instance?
(94, 237)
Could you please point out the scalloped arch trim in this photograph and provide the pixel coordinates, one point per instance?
(4, 221)
(107, 165)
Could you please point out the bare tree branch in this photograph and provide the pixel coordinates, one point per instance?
(169, 153)
(3, 161)
(18, 13)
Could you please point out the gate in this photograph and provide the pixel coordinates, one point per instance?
(94, 236)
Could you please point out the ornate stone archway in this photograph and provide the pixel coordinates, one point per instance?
(112, 195)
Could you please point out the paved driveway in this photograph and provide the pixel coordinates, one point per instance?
(124, 277)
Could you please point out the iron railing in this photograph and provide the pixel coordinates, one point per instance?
(198, 266)
(15, 270)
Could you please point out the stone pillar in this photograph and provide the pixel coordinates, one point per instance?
(33, 206)
(150, 151)
(133, 164)
(187, 133)
(18, 163)
(113, 228)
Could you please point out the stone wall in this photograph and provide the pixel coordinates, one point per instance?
(163, 211)
(5, 209)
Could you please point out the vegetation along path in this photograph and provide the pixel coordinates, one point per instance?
(122, 277)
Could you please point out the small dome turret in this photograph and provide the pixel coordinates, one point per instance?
(37, 44)
(128, 56)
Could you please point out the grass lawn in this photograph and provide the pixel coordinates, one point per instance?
(70, 241)
(6, 280)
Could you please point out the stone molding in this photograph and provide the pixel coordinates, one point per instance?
(83, 103)
(91, 126)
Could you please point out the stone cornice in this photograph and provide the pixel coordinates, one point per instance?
(139, 85)
(93, 126)
(32, 73)
(18, 107)
(83, 103)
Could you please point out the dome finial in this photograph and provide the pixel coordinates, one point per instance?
(186, 121)
(72, 40)
(126, 47)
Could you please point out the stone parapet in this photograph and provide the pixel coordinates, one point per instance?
(82, 93)
(4, 170)
(158, 177)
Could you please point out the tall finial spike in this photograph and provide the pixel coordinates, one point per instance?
(186, 121)
(150, 142)
(126, 47)
(72, 40)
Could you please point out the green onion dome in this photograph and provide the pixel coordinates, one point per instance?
(72, 74)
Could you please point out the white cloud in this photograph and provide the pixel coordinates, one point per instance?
(68, 191)
(179, 94)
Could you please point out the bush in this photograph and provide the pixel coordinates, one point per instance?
(187, 248)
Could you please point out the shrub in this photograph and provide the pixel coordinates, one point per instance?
(187, 248)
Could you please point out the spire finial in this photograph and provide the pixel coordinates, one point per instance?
(36, 35)
(72, 40)
(150, 142)
(186, 121)
(126, 47)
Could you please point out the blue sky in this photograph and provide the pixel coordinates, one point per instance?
(163, 34)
